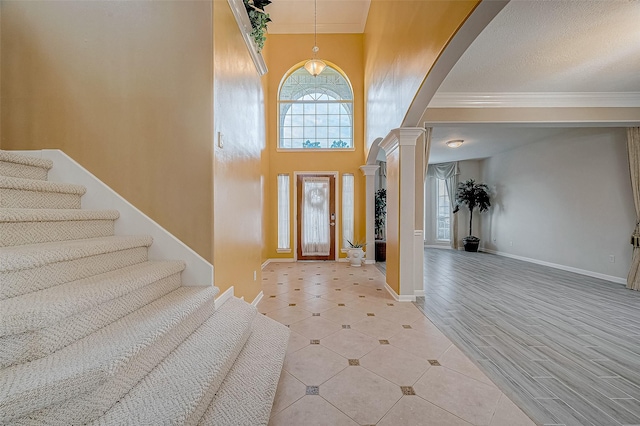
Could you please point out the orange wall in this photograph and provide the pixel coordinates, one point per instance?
(285, 51)
(403, 39)
(125, 89)
(239, 115)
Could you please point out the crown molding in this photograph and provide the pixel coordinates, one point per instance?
(535, 100)
(240, 13)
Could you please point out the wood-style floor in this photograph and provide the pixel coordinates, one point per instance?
(564, 347)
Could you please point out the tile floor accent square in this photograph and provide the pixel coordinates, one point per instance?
(434, 362)
(346, 326)
(315, 341)
(338, 289)
(313, 390)
(407, 390)
(406, 326)
(371, 314)
(280, 283)
(354, 362)
(317, 283)
(356, 283)
(315, 314)
(271, 297)
(317, 297)
(296, 289)
(335, 279)
(292, 304)
(383, 342)
(390, 304)
(378, 289)
(340, 304)
(360, 296)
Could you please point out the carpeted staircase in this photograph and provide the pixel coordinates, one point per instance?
(92, 332)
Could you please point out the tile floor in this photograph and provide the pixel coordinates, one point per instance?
(358, 357)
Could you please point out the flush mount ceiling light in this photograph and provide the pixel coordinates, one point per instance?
(315, 66)
(455, 143)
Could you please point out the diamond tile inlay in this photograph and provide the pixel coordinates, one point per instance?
(313, 390)
(406, 326)
(383, 342)
(315, 341)
(354, 362)
(340, 304)
(346, 326)
(315, 314)
(371, 314)
(292, 304)
(406, 390)
(434, 362)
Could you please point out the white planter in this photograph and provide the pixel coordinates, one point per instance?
(356, 256)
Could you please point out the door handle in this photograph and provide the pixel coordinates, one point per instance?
(332, 224)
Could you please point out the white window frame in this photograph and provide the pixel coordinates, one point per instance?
(284, 215)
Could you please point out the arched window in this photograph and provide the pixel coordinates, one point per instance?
(315, 112)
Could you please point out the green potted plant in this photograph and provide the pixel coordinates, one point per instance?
(356, 254)
(474, 196)
(259, 19)
(380, 224)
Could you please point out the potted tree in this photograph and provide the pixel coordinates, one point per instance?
(380, 225)
(473, 195)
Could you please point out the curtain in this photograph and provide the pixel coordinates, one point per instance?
(347, 209)
(449, 173)
(316, 239)
(633, 145)
(283, 212)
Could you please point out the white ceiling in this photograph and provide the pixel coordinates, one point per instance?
(334, 16)
(531, 47)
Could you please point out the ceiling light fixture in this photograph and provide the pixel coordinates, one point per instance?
(315, 66)
(455, 143)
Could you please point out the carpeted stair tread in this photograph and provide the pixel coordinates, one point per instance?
(55, 215)
(39, 194)
(24, 166)
(28, 268)
(180, 388)
(246, 395)
(29, 346)
(32, 226)
(99, 369)
(43, 308)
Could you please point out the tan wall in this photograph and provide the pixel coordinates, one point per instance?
(240, 117)
(393, 220)
(285, 51)
(125, 89)
(402, 42)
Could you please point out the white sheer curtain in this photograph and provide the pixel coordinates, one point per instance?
(347, 209)
(633, 145)
(283, 213)
(449, 173)
(316, 239)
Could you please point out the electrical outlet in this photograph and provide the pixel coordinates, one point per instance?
(220, 140)
(612, 258)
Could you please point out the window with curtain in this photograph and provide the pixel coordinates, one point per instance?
(347, 209)
(283, 213)
(315, 112)
(443, 211)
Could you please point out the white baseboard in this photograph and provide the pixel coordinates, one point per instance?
(220, 300)
(433, 246)
(397, 297)
(593, 274)
(369, 262)
(418, 293)
(257, 299)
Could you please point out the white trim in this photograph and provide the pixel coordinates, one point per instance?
(418, 293)
(221, 300)
(240, 13)
(265, 263)
(342, 259)
(281, 250)
(440, 246)
(397, 298)
(199, 271)
(257, 299)
(605, 277)
(535, 100)
(369, 262)
(278, 260)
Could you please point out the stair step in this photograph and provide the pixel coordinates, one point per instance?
(23, 166)
(31, 226)
(39, 323)
(39, 194)
(80, 382)
(246, 395)
(28, 268)
(180, 388)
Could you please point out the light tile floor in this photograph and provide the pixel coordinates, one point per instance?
(358, 357)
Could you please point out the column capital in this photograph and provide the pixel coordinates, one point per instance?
(369, 169)
(405, 136)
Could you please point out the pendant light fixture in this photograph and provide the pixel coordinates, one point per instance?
(314, 65)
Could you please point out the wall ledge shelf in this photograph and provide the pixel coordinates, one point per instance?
(240, 13)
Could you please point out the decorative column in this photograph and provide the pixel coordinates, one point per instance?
(400, 146)
(369, 172)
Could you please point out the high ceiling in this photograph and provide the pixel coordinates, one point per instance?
(567, 49)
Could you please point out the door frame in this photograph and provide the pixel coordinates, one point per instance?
(338, 235)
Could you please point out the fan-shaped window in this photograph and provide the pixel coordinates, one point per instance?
(316, 112)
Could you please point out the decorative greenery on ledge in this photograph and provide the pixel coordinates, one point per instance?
(259, 19)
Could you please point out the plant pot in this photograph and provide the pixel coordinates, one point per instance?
(471, 244)
(356, 256)
(381, 251)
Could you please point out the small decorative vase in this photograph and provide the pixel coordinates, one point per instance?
(356, 255)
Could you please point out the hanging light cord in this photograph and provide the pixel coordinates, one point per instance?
(315, 27)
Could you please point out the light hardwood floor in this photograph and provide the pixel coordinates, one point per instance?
(564, 347)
